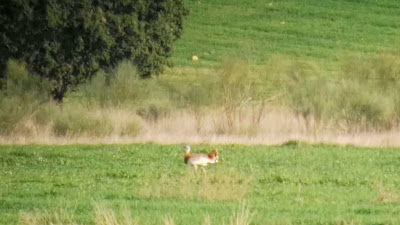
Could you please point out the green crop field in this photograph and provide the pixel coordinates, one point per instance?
(289, 184)
(322, 31)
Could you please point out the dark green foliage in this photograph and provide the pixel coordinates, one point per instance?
(68, 41)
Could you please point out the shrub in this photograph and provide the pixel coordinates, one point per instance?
(305, 90)
(96, 91)
(46, 113)
(362, 95)
(75, 121)
(22, 97)
(12, 112)
(234, 92)
(364, 110)
(122, 88)
(369, 90)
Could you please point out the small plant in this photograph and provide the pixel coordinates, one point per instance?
(242, 217)
(167, 220)
(207, 220)
(106, 216)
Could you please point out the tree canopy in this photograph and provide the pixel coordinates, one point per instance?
(68, 41)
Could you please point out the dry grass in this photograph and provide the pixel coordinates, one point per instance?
(104, 215)
(167, 220)
(60, 217)
(384, 194)
(274, 127)
(107, 216)
(242, 217)
(207, 220)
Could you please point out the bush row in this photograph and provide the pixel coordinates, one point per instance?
(364, 94)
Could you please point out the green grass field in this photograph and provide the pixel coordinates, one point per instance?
(321, 31)
(290, 184)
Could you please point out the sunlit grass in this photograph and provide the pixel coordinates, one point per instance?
(215, 185)
(322, 31)
(105, 215)
(146, 183)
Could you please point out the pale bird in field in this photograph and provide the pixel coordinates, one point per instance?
(200, 160)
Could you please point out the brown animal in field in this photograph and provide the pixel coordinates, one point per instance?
(200, 160)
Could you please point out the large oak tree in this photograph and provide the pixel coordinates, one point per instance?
(68, 41)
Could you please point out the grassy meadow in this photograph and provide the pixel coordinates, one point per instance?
(321, 31)
(268, 72)
(149, 184)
